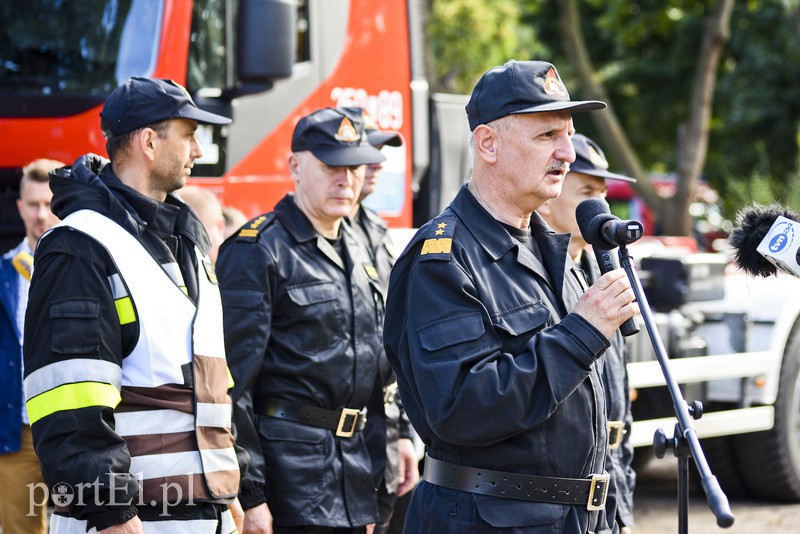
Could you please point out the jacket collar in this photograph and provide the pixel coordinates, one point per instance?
(300, 228)
(497, 242)
(294, 220)
(171, 217)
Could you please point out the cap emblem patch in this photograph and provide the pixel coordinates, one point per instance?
(347, 132)
(369, 121)
(596, 159)
(553, 85)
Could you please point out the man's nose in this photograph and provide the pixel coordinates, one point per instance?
(565, 150)
(197, 151)
(43, 211)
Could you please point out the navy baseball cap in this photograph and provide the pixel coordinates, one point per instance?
(521, 87)
(142, 101)
(378, 137)
(336, 137)
(589, 159)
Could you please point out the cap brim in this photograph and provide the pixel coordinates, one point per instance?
(349, 156)
(579, 105)
(599, 173)
(203, 117)
(379, 138)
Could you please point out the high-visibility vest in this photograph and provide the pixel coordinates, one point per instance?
(175, 412)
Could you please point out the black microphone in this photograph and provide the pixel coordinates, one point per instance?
(751, 225)
(601, 229)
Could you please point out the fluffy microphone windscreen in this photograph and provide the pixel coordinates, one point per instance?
(750, 227)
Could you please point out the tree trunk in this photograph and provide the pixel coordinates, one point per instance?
(693, 145)
(672, 214)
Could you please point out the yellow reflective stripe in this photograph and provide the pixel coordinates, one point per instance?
(230, 378)
(125, 310)
(185, 290)
(72, 397)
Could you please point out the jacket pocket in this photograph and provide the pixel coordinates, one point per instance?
(76, 326)
(507, 513)
(529, 317)
(449, 344)
(242, 298)
(296, 459)
(308, 294)
(245, 320)
(516, 326)
(318, 322)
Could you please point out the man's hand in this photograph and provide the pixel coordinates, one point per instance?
(608, 303)
(409, 467)
(257, 520)
(626, 530)
(131, 526)
(238, 514)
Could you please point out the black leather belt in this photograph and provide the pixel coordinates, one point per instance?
(344, 422)
(590, 492)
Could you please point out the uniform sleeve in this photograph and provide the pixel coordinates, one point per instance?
(462, 375)
(73, 354)
(404, 428)
(242, 269)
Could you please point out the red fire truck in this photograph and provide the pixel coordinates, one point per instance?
(264, 63)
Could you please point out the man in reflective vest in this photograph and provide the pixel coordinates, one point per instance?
(126, 379)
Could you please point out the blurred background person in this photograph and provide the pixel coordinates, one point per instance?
(587, 179)
(234, 219)
(18, 463)
(388, 430)
(209, 210)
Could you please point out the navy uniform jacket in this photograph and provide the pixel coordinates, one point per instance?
(491, 373)
(618, 408)
(301, 327)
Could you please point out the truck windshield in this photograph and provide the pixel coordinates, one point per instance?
(76, 48)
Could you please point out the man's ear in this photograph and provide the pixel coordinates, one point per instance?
(145, 141)
(485, 139)
(294, 165)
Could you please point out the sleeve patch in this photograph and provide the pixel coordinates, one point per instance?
(438, 239)
(250, 231)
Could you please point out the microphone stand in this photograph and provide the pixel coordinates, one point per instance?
(684, 443)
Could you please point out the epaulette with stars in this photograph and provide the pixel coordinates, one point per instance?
(438, 239)
(250, 231)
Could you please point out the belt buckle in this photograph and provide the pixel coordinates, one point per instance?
(389, 393)
(347, 412)
(598, 483)
(616, 430)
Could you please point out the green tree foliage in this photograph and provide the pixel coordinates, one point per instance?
(468, 37)
(645, 53)
(755, 141)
